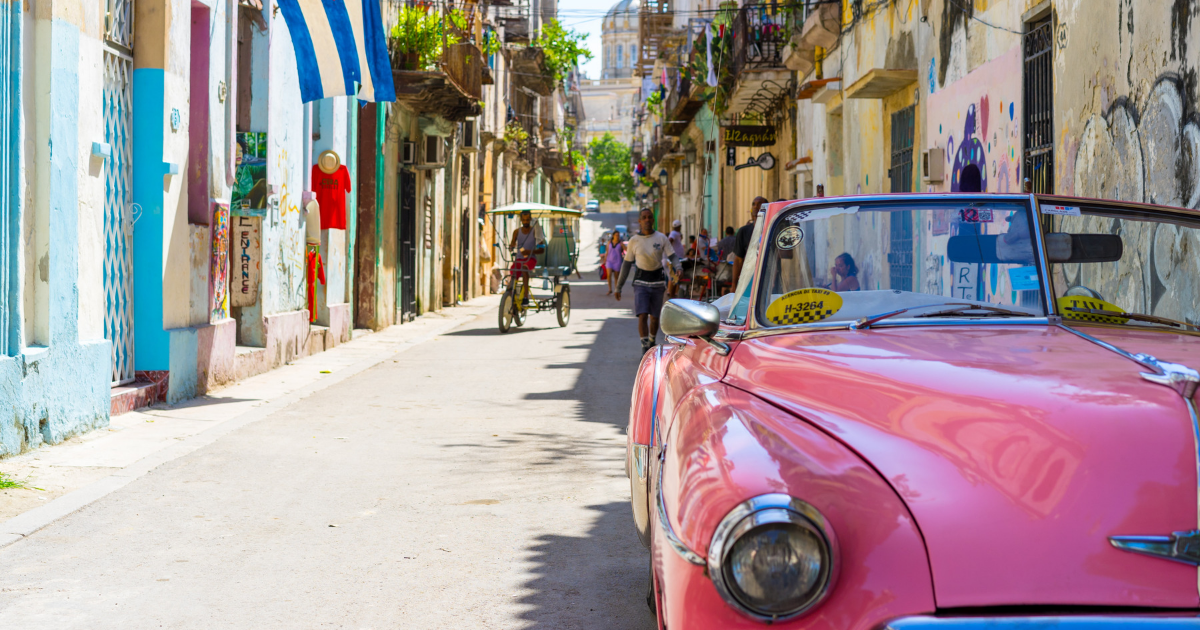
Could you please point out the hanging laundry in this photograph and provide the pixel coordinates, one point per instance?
(711, 79)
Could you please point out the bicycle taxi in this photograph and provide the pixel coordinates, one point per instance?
(549, 286)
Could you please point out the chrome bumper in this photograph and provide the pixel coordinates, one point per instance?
(1048, 622)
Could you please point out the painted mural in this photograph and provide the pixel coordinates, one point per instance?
(220, 263)
(977, 120)
(250, 187)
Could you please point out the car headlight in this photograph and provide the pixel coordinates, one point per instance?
(773, 557)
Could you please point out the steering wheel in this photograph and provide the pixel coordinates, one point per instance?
(1082, 291)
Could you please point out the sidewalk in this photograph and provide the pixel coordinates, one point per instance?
(61, 479)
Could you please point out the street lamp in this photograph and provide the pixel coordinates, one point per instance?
(663, 177)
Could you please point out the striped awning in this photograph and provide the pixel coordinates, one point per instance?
(338, 43)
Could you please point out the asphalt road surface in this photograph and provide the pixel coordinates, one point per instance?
(473, 481)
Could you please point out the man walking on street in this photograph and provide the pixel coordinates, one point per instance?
(644, 254)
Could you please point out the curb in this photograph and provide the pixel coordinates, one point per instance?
(21, 526)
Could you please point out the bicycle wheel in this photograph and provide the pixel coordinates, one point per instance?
(520, 314)
(562, 306)
(506, 311)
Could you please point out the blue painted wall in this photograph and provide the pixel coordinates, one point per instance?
(151, 343)
(49, 394)
(10, 151)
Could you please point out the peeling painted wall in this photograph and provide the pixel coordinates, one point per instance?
(56, 386)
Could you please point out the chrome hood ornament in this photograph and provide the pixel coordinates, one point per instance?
(1180, 378)
(1180, 546)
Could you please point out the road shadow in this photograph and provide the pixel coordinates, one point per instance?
(605, 379)
(597, 580)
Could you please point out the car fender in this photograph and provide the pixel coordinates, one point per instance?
(641, 445)
(726, 446)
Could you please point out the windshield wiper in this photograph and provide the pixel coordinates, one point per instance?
(1154, 319)
(866, 322)
(995, 310)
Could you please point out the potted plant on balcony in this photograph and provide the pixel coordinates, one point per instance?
(415, 42)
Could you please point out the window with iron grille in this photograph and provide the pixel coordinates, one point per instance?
(1039, 106)
(900, 254)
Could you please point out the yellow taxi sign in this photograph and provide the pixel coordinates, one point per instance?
(1082, 308)
(803, 306)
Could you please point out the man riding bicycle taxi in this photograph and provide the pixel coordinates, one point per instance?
(527, 241)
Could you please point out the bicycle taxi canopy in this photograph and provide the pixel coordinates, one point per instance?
(559, 227)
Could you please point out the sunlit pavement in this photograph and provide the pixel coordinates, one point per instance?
(473, 481)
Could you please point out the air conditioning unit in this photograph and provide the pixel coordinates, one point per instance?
(933, 165)
(408, 152)
(433, 153)
(468, 136)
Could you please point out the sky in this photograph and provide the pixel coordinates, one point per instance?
(585, 16)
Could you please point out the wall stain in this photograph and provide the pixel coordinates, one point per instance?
(954, 15)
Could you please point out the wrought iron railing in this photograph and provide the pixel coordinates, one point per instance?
(760, 38)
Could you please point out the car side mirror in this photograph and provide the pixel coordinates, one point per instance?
(689, 318)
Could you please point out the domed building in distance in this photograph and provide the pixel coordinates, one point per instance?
(609, 101)
(619, 40)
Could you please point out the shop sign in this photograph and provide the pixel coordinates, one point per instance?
(749, 136)
(247, 263)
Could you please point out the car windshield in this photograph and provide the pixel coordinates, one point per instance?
(1124, 267)
(843, 263)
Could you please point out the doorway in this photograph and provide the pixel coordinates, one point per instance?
(407, 251)
(118, 187)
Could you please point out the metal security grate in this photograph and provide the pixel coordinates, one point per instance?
(1039, 106)
(118, 213)
(10, 58)
(900, 254)
(118, 24)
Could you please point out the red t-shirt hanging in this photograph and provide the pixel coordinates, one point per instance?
(331, 195)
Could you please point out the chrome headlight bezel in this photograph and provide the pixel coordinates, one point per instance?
(754, 513)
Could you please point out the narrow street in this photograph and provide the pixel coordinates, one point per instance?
(475, 480)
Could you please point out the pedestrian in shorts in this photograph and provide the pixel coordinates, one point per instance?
(644, 254)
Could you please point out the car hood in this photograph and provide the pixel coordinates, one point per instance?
(1017, 449)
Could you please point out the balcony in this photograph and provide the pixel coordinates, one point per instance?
(656, 20)
(680, 108)
(553, 167)
(529, 69)
(660, 150)
(759, 45)
(451, 92)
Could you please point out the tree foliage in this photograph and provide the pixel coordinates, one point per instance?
(563, 48)
(609, 161)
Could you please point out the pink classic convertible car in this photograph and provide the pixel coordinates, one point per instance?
(930, 411)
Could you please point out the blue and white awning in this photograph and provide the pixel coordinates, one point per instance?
(335, 41)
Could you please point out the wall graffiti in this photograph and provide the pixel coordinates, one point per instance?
(977, 120)
(1147, 155)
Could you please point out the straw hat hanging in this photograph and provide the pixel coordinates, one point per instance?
(329, 162)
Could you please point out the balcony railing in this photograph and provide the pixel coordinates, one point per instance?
(760, 38)
(463, 64)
